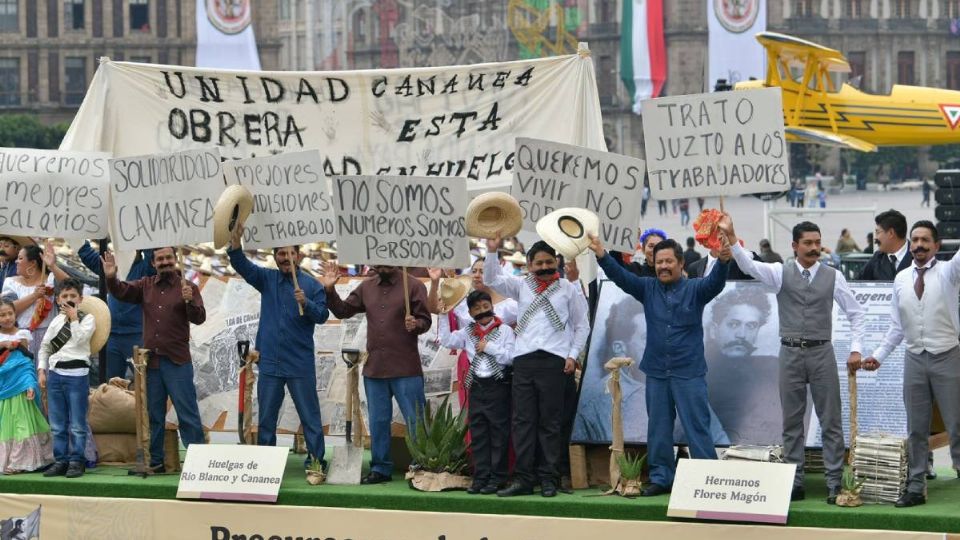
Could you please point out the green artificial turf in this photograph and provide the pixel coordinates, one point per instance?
(940, 514)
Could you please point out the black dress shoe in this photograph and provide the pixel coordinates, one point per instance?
(548, 489)
(910, 499)
(931, 474)
(798, 494)
(832, 495)
(489, 489)
(475, 488)
(57, 469)
(653, 490)
(75, 469)
(375, 478)
(514, 489)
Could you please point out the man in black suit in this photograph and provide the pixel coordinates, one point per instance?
(893, 251)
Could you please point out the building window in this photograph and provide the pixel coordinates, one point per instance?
(285, 10)
(858, 67)
(605, 9)
(855, 9)
(804, 8)
(360, 27)
(9, 82)
(73, 14)
(905, 67)
(9, 16)
(903, 9)
(953, 70)
(75, 72)
(140, 15)
(953, 9)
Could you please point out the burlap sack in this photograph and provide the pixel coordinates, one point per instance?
(427, 481)
(121, 449)
(112, 410)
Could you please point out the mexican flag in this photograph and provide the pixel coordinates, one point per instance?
(643, 53)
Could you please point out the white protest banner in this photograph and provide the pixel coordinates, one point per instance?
(291, 201)
(164, 199)
(724, 143)
(401, 220)
(436, 121)
(52, 193)
(549, 175)
(732, 490)
(232, 472)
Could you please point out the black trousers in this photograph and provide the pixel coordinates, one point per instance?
(489, 419)
(538, 398)
(566, 429)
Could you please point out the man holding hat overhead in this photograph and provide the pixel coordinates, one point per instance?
(805, 292)
(551, 332)
(285, 341)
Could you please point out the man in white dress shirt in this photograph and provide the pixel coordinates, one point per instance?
(924, 312)
(805, 292)
(551, 331)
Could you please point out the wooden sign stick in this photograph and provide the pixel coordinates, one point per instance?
(406, 291)
(293, 274)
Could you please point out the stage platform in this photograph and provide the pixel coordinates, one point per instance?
(939, 515)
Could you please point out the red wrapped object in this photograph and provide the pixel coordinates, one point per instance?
(707, 233)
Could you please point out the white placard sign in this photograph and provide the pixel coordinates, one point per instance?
(724, 143)
(52, 193)
(165, 199)
(549, 175)
(291, 201)
(732, 490)
(401, 220)
(232, 472)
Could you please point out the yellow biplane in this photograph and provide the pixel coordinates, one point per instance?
(816, 111)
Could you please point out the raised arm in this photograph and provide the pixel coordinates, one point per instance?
(770, 274)
(628, 282)
(449, 339)
(50, 259)
(503, 283)
(953, 269)
(90, 258)
(251, 273)
(130, 292)
(341, 309)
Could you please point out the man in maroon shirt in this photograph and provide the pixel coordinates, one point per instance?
(393, 367)
(170, 303)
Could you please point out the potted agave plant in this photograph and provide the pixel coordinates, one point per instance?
(849, 489)
(439, 450)
(631, 467)
(315, 472)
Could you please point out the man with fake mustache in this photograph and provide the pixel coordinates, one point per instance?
(924, 313)
(805, 292)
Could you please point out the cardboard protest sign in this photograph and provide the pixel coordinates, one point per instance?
(401, 220)
(428, 121)
(549, 175)
(164, 199)
(724, 143)
(53, 193)
(291, 201)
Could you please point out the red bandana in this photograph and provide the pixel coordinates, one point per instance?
(41, 309)
(542, 283)
(481, 333)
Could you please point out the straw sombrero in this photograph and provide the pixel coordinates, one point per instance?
(492, 213)
(97, 308)
(516, 258)
(22, 241)
(567, 230)
(453, 291)
(232, 210)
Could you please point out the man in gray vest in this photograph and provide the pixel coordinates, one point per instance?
(805, 292)
(924, 313)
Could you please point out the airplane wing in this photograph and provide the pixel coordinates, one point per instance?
(820, 136)
(796, 52)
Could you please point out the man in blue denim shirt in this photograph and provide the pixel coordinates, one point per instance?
(285, 342)
(126, 320)
(673, 358)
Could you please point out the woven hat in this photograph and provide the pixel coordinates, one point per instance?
(97, 308)
(492, 213)
(453, 291)
(23, 241)
(567, 230)
(516, 258)
(232, 210)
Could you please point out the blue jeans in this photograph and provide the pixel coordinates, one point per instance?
(408, 392)
(119, 349)
(303, 390)
(666, 399)
(176, 382)
(67, 402)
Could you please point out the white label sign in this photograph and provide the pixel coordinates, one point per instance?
(549, 175)
(232, 473)
(724, 143)
(165, 199)
(732, 490)
(291, 201)
(53, 193)
(401, 220)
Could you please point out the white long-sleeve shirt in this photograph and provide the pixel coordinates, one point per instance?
(77, 348)
(928, 324)
(771, 275)
(500, 348)
(539, 335)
